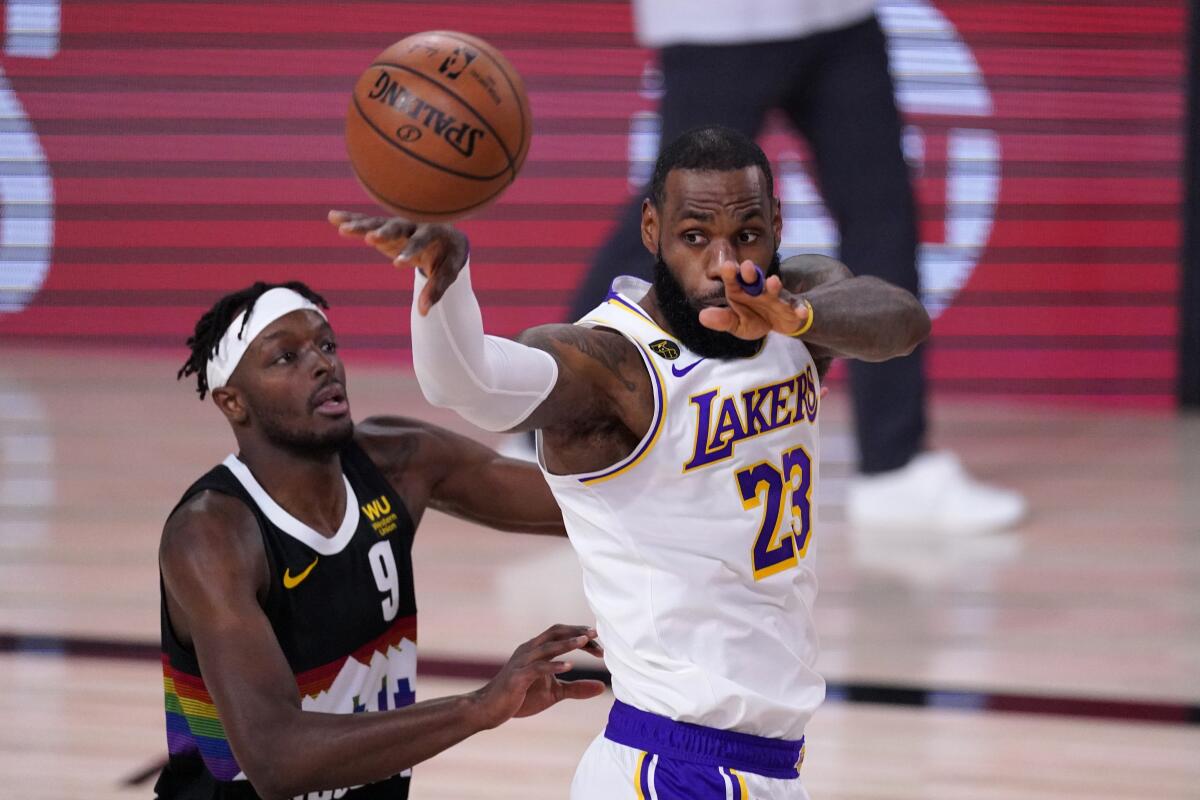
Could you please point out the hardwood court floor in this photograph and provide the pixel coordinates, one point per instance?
(80, 728)
(1097, 596)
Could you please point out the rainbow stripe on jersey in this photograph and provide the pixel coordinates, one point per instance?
(194, 727)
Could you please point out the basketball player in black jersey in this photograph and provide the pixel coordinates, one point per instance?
(287, 589)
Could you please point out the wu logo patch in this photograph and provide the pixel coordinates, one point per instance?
(379, 512)
(665, 348)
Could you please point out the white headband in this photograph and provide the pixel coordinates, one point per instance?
(270, 306)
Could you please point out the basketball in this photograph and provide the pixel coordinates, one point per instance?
(438, 126)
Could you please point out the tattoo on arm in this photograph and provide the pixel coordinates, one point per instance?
(554, 339)
(803, 273)
(854, 317)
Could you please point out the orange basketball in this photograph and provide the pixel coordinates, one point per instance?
(438, 126)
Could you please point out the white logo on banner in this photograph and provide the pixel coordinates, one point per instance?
(935, 74)
(26, 190)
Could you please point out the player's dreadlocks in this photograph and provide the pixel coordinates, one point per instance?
(212, 326)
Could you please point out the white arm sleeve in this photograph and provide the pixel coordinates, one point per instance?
(492, 382)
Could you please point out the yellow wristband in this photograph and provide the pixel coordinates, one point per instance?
(808, 321)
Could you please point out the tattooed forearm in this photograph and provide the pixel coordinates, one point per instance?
(569, 342)
(866, 318)
(863, 318)
(803, 273)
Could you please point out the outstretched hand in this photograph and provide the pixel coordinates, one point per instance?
(753, 316)
(528, 683)
(438, 251)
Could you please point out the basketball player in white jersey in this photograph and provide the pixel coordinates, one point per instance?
(677, 427)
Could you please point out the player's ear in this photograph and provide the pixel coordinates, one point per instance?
(651, 226)
(232, 404)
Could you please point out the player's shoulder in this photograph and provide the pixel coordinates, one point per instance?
(597, 350)
(386, 436)
(570, 335)
(397, 444)
(210, 530)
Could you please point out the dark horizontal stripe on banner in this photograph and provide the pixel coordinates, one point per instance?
(560, 212)
(546, 126)
(1092, 708)
(350, 342)
(160, 298)
(1082, 387)
(1170, 83)
(557, 40)
(542, 168)
(338, 298)
(339, 255)
(1115, 299)
(1054, 342)
(851, 692)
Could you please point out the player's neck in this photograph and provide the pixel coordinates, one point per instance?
(649, 304)
(311, 489)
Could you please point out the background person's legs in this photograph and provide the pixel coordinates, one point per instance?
(845, 106)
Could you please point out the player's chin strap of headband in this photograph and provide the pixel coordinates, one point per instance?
(492, 382)
(270, 306)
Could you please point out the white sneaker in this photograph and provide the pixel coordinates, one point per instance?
(934, 494)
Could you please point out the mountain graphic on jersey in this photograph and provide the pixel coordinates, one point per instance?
(379, 675)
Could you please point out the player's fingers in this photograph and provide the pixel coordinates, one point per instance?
(594, 648)
(824, 392)
(556, 647)
(560, 631)
(336, 216)
(418, 240)
(360, 224)
(729, 272)
(719, 319)
(394, 228)
(550, 667)
(748, 271)
(581, 690)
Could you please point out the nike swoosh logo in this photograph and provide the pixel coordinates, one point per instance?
(291, 583)
(679, 373)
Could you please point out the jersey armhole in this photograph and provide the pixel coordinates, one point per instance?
(645, 444)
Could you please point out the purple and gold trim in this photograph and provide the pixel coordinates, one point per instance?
(681, 747)
(660, 406)
(620, 301)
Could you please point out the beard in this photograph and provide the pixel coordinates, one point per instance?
(683, 316)
(310, 444)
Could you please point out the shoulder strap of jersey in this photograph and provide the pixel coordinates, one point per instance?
(621, 312)
(218, 479)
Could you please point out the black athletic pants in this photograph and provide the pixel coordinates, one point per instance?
(835, 88)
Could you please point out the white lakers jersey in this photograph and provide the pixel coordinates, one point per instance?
(698, 548)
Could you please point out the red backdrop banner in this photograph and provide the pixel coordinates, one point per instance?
(159, 154)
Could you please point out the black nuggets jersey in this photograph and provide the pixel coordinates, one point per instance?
(344, 613)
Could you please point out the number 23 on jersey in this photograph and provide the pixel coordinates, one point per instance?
(784, 493)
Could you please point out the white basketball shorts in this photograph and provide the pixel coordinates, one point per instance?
(642, 756)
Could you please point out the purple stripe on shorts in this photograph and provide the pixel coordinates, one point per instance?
(641, 730)
(684, 780)
(644, 775)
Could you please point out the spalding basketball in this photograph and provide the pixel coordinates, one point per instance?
(438, 126)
